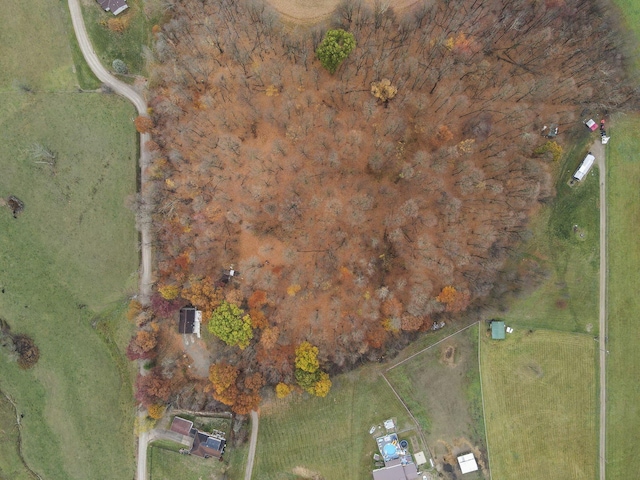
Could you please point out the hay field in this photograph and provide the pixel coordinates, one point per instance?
(540, 402)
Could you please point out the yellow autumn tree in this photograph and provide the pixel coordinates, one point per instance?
(156, 411)
(307, 357)
(322, 386)
(283, 390)
(169, 292)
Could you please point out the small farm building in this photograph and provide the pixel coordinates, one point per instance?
(114, 6)
(190, 321)
(467, 463)
(584, 167)
(498, 330)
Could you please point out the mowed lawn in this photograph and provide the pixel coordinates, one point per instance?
(564, 243)
(623, 363)
(444, 394)
(68, 263)
(328, 436)
(540, 405)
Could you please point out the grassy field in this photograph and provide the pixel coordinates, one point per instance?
(623, 364)
(328, 436)
(568, 298)
(540, 405)
(11, 465)
(443, 392)
(126, 45)
(68, 263)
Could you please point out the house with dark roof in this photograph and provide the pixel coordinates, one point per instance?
(205, 445)
(190, 321)
(114, 6)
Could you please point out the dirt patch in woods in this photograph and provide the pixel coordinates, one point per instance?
(313, 11)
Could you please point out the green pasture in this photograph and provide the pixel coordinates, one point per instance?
(564, 243)
(68, 262)
(623, 363)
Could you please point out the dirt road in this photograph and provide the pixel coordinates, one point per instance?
(140, 103)
(252, 445)
(599, 151)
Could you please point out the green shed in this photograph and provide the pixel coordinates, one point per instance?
(498, 330)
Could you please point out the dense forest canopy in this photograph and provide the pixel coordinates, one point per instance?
(352, 216)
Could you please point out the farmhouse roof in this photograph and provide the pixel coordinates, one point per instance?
(467, 463)
(190, 320)
(397, 472)
(187, 320)
(498, 330)
(114, 6)
(181, 426)
(205, 445)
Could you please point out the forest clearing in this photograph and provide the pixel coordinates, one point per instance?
(540, 404)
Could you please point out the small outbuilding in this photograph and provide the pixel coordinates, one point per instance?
(498, 330)
(467, 463)
(190, 321)
(584, 167)
(114, 6)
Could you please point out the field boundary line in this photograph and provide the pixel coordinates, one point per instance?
(484, 414)
(430, 346)
(424, 440)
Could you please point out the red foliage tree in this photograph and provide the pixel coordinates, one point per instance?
(152, 388)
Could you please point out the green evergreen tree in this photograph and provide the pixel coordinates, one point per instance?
(334, 48)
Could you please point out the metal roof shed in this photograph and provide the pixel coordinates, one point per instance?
(498, 330)
(467, 463)
(584, 167)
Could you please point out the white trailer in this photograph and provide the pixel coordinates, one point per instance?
(584, 168)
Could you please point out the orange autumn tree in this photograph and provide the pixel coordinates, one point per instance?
(143, 124)
(223, 379)
(454, 300)
(202, 294)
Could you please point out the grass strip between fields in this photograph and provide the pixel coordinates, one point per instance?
(623, 362)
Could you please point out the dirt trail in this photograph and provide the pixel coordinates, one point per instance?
(252, 445)
(314, 11)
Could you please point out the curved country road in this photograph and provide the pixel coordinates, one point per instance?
(252, 445)
(599, 151)
(140, 103)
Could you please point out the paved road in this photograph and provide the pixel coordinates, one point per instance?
(599, 151)
(140, 103)
(252, 445)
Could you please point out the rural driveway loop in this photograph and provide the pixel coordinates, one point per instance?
(140, 103)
